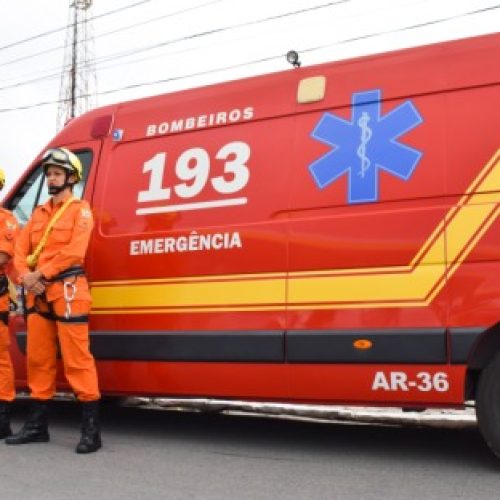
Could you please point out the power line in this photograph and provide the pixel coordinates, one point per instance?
(267, 59)
(51, 32)
(48, 76)
(119, 30)
(158, 18)
(190, 37)
(406, 28)
(128, 53)
(279, 56)
(52, 76)
(221, 30)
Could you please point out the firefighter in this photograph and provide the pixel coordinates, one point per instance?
(8, 233)
(49, 257)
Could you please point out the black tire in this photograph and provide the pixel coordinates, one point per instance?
(488, 404)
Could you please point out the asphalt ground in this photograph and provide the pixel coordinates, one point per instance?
(186, 455)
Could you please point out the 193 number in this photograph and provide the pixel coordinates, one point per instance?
(193, 169)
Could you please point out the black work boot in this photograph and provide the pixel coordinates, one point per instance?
(91, 433)
(35, 429)
(5, 429)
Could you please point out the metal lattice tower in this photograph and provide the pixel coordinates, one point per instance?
(78, 91)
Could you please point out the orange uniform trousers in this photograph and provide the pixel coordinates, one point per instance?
(7, 390)
(42, 350)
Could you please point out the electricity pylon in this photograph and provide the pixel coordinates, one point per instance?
(78, 91)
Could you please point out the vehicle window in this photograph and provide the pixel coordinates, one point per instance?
(25, 199)
(34, 191)
(86, 159)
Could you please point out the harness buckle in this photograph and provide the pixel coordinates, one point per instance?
(69, 288)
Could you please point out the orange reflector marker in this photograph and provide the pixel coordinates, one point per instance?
(363, 344)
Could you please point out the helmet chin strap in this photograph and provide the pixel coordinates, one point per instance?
(57, 189)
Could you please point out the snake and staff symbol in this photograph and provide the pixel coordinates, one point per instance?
(366, 133)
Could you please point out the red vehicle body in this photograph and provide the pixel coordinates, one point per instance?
(324, 234)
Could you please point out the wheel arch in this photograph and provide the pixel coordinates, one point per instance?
(484, 349)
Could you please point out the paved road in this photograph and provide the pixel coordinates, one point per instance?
(171, 455)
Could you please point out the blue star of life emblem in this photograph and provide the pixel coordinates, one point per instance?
(366, 144)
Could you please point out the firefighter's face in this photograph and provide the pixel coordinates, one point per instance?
(56, 176)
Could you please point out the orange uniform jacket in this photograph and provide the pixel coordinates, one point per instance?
(65, 247)
(9, 230)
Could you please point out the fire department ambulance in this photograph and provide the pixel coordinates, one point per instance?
(326, 234)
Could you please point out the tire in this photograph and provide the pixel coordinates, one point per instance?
(488, 404)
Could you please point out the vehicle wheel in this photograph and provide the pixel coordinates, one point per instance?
(488, 404)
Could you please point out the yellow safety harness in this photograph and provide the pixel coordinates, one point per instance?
(46, 310)
(32, 259)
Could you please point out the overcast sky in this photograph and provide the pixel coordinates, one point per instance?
(154, 40)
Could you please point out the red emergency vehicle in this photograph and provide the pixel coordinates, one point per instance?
(326, 234)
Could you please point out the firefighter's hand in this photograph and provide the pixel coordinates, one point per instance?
(38, 288)
(4, 258)
(33, 280)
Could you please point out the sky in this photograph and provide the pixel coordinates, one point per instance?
(149, 47)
